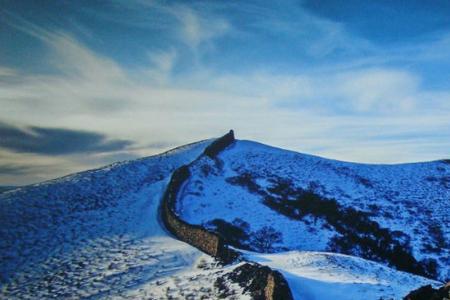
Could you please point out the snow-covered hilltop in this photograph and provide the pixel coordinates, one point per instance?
(393, 214)
(98, 234)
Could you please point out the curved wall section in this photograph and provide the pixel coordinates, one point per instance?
(272, 284)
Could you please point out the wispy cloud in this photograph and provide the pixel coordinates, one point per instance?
(196, 29)
(349, 109)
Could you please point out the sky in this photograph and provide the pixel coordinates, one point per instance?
(87, 83)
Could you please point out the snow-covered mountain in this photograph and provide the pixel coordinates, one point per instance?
(393, 214)
(98, 234)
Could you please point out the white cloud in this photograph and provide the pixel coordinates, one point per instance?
(378, 90)
(97, 94)
(317, 36)
(194, 26)
(196, 29)
(362, 90)
(162, 64)
(345, 113)
(74, 60)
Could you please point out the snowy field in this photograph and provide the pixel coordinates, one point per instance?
(322, 275)
(411, 200)
(96, 235)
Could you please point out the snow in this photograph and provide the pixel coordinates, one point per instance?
(319, 275)
(96, 234)
(411, 198)
(231, 202)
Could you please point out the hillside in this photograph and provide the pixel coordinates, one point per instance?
(98, 234)
(315, 275)
(392, 214)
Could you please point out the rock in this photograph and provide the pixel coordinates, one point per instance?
(427, 292)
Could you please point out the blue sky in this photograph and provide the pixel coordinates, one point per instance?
(87, 83)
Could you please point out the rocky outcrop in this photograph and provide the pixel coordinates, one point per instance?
(262, 282)
(427, 292)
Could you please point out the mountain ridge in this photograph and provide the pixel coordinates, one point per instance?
(214, 190)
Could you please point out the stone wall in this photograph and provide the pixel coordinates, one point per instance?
(206, 241)
(272, 284)
(219, 144)
(277, 286)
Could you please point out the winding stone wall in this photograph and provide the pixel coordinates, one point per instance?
(272, 284)
(194, 235)
(208, 242)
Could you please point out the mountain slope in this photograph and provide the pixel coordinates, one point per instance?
(96, 234)
(319, 275)
(393, 214)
